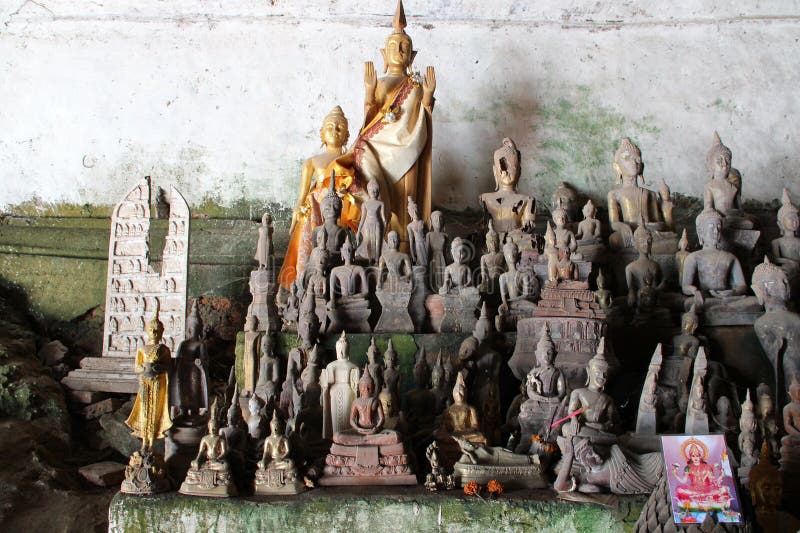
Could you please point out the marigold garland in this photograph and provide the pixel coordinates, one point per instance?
(472, 488)
(494, 487)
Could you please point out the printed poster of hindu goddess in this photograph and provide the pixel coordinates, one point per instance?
(700, 479)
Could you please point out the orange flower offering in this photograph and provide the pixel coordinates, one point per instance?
(472, 488)
(494, 487)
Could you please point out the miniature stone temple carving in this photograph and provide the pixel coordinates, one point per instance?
(647, 417)
(189, 373)
(778, 329)
(276, 472)
(339, 382)
(366, 453)
(518, 290)
(133, 288)
(210, 473)
(394, 288)
(149, 418)
(506, 207)
(349, 303)
(630, 202)
(482, 464)
(264, 248)
(371, 226)
(546, 388)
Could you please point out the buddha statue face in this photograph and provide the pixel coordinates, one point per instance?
(545, 356)
(643, 240)
(334, 132)
(598, 376)
(365, 388)
(506, 167)
(385, 397)
(791, 222)
(771, 285)
(459, 251)
(275, 426)
(373, 189)
(511, 254)
(689, 323)
(266, 345)
(372, 352)
(765, 405)
(399, 52)
(589, 210)
(347, 251)
(392, 241)
(154, 330)
(710, 232)
(559, 217)
(322, 236)
(413, 210)
(436, 377)
(342, 348)
(718, 159)
(628, 161)
(437, 222)
(492, 242)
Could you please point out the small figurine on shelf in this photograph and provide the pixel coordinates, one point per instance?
(436, 246)
(437, 479)
(264, 249)
(589, 228)
(372, 225)
(149, 419)
(416, 235)
(276, 472)
(209, 473)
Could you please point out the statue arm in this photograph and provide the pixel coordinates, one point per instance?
(561, 386)
(354, 377)
(738, 283)
(428, 87)
(354, 416)
(381, 417)
(689, 272)
(564, 481)
(306, 174)
(630, 283)
(411, 243)
(370, 86)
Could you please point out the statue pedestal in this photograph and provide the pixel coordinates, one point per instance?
(696, 423)
(352, 316)
(511, 477)
(180, 448)
(145, 474)
(394, 310)
(262, 288)
(458, 310)
(378, 459)
(278, 481)
(646, 422)
(208, 482)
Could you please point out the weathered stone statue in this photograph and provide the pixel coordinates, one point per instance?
(331, 209)
(420, 406)
(459, 298)
(437, 478)
(492, 263)
(438, 386)
(189, 375)
(506, 207)
(457, 275)
(436, 245)
(697, 409)
(149, 418)
(481, 464)
(545, 388)
(643, 267)
(596, 413)
(209, 473)
(786, 248)
(790, 443)
(375, 366)
(647, 417)
(255, 418)
(721, 192)
(264, 249)
(748, 451)
(767, 424)
(566, 196)
(589, 229)
(269, 371)
(602, 295)
(314, 273)
(372, 225)
(458, 420)
(630, 202)
(681, 254)
(349, 302)
(394, 288)
(366, 453)
(565, 239)
(276, 472)
(416, 235)
(250, 355)
(339, 382)
(308, 424)
(391, 373)
(518, 290)
(778, 329)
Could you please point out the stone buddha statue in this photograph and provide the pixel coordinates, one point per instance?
(391, 373)
(545, 388)
(276, 472)
(189, 376)
(420, 405)
(459, 420)
(331, 209)
(518, 290)
(348, 305)
(711, 271)
(436, 248)
(786, 248)
(596, 417)
(643, 267)
(507, 208)
(269, 370)
(394, 267)
(564, 236)
(209, 473)
(722, 192)
(492, 263)
(603, 296)
(589, 229)
(375, 366)
(371, 226)
(339, 382)
(416, 235)
(457, 275)
(631, 202)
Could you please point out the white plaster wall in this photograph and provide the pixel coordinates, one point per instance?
(224, 99)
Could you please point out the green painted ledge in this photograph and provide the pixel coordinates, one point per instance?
(370, 509)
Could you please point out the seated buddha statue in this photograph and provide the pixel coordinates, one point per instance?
(589, 229)
(457, 275)
(723, 191)
(518, 289)
(349, 295)
(786, 248)
(507, 208)
(643, 267)
(460, 420)
(209, 473)
(630, 202)
(564, 236)
(276, 472)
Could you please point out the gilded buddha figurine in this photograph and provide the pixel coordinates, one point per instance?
(630, 202)
(507, 208)
(314, 185)
(276, 472)
(209, 473)
(723, 191)
(149, 418)
(459, 420)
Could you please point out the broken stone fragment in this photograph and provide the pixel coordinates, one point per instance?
(52, 353)
(103, 474)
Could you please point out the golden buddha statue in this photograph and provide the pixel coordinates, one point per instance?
(276, 472)
(459, 420)
(209, 472)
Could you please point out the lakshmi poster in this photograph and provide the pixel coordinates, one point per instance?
(700, 479)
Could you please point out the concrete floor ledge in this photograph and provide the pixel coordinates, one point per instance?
(373, 509)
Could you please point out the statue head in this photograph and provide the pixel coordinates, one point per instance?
(373, 188)
(437, 373)
(313, 356)
(492, 239)
(331, 204)
(437, 221)
(392, 241)
(601, 280)
(234, 414)
(413, 209)
(459, 250)
(628, 164)
(342, 348)
(387, 402)
(213, 423)
(683, 243)
(747, 420)
(788, 218)
(308, 325)
(250, 323)
(483, 327)
(347, 251)
(589, 210)
(266, 220)
(267, 345)
(334, 132)
(366, 385)
(765, 405)
(690, 321)
(771, 285)
(507, 167)
(794, 389)
(459, 390)
(597, 368)
(322, 237)
(559, 214)
(253, 405)
(545, 349)
(390, 356)
(511, 254)
(723, 407)
(468, 349)
(275, 428)
(422, 371)
(372, 351)
(399, 51)
(642, 238)
(709, 228)
(718, 159)
(154, 329)
(194, 324)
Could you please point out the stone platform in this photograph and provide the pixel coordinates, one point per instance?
(379, 509)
